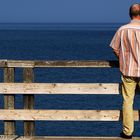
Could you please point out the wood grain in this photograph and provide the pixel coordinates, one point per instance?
(29, 126)
(59, 63)
(59, 88)
(64, 115)
(9, 102)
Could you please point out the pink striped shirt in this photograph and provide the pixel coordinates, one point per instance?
(126, 45)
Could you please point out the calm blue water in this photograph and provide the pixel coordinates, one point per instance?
(65, 42)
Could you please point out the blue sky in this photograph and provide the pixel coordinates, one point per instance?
(44, 11)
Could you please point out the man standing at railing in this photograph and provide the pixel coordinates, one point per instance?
(126, 45)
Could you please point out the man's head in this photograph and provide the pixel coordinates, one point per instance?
(134, 11)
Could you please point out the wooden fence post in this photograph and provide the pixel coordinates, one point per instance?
(9, 126)
(29, 126)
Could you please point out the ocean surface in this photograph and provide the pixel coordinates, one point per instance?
(59, 41)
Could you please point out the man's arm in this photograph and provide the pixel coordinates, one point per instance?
(116, 43)
(116, 53)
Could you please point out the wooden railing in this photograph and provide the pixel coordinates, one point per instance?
(28, 89)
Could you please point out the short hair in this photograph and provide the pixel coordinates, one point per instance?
(134, 10)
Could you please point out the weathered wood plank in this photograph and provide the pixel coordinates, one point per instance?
(8, 137)
(62, 138)
(59, 63)
(3, 63)
(29, 126)
(77, 63)
(71, 138)
(9, 126)
(59, 88)
(64, 115)
(20, 63)
(3, 137)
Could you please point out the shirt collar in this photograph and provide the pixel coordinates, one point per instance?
(135, 21)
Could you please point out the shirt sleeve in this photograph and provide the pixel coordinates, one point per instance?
(116, 43)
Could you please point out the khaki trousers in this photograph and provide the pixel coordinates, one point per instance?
(128, 93)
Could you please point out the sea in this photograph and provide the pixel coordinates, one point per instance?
(65, 41)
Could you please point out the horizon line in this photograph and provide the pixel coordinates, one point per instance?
(62, 22)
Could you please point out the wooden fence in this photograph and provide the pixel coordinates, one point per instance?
(28, 88)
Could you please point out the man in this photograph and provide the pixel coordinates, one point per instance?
(126, 46)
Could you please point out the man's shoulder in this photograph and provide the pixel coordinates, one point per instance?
(129, 26)
(126, 26)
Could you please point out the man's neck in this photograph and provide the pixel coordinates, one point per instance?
(136, 18)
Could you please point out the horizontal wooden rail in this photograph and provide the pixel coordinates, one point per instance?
(64, 115)
(58, 88)
(60, 138)
(29, 115)
(59, 63)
